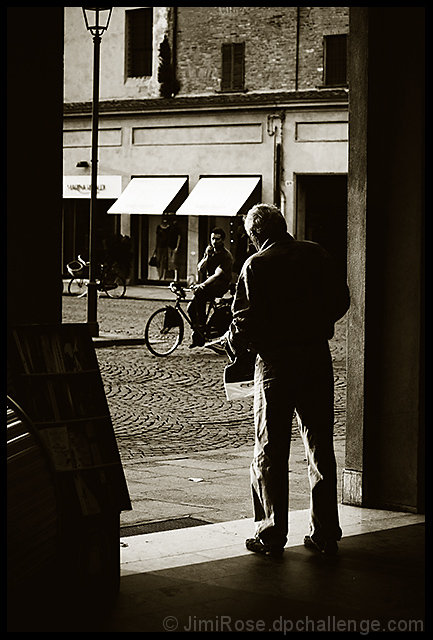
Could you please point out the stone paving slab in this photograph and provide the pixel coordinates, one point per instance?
(221, 496)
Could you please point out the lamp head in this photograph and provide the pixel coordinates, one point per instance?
(97, 19)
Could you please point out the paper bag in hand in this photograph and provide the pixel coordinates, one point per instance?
(239, 377)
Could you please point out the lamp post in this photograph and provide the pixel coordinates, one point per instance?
(97, 21)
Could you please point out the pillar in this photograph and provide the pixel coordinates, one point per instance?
(34, 164)
(384, 465)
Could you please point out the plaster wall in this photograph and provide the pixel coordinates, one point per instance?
(78, 58)
(195, 144)
(314, 142)
(190, 145)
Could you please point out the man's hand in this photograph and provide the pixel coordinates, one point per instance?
(196, 287)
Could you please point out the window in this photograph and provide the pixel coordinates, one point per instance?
(139, 30)
(233, 66)
(335, 64)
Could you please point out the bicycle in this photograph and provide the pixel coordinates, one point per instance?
(165, 328)
(109, 281)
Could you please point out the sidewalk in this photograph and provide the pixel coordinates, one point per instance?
(207, 486)
(149, 292)
(136, 292)
(141, 291)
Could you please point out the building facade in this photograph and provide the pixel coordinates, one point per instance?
(203, 112)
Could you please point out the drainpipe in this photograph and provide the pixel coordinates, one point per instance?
(297, 48)
(280, 175)
(275, 129)
(277, 172)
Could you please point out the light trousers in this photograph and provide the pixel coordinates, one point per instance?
(299, 381)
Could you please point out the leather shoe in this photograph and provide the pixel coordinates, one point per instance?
(329, 548)
(258, 546)
(197, 340)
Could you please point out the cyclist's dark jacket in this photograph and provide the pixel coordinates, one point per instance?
(288, 293)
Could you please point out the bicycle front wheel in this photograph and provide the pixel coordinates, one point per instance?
(77, 287)
(163, 332)
(116, 288)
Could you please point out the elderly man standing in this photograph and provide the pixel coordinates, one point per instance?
(288, 296)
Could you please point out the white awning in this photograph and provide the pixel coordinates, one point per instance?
(218, 196)
(151, 196)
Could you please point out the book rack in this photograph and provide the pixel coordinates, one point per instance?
(54, 375)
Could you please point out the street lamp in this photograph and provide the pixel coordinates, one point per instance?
(97, 21)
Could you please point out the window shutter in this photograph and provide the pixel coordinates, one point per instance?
(148, 40)
(238, 66)
(232, 66)
(226, 67)
(128, 44)
(139, 44)
(335, 60)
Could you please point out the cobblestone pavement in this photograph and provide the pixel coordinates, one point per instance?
(176, 404)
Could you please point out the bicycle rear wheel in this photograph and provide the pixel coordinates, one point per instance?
(116, 288)
(163, 332)
(78, 287)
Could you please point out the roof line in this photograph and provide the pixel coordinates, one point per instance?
(220, 101)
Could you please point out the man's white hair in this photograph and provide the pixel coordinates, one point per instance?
(265, 222)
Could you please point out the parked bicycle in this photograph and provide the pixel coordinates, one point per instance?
(109, 281)
(165, 328)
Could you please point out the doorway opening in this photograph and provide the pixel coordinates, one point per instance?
(321, 213)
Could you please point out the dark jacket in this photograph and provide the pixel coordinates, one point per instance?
(288, 293)
(210, 262)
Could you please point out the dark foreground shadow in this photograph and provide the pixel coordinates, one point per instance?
(375, 583)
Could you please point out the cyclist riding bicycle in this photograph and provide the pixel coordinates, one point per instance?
(215, 276)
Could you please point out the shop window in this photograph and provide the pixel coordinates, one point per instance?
(75, 228)
(139, 41)
(335, 60)
(233, 66)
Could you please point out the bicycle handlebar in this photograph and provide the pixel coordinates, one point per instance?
(178, 290)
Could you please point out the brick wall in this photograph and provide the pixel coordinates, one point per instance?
(270, 36)
(316, 22)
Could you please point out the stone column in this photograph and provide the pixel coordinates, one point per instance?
(385, 416)
(34, 164)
